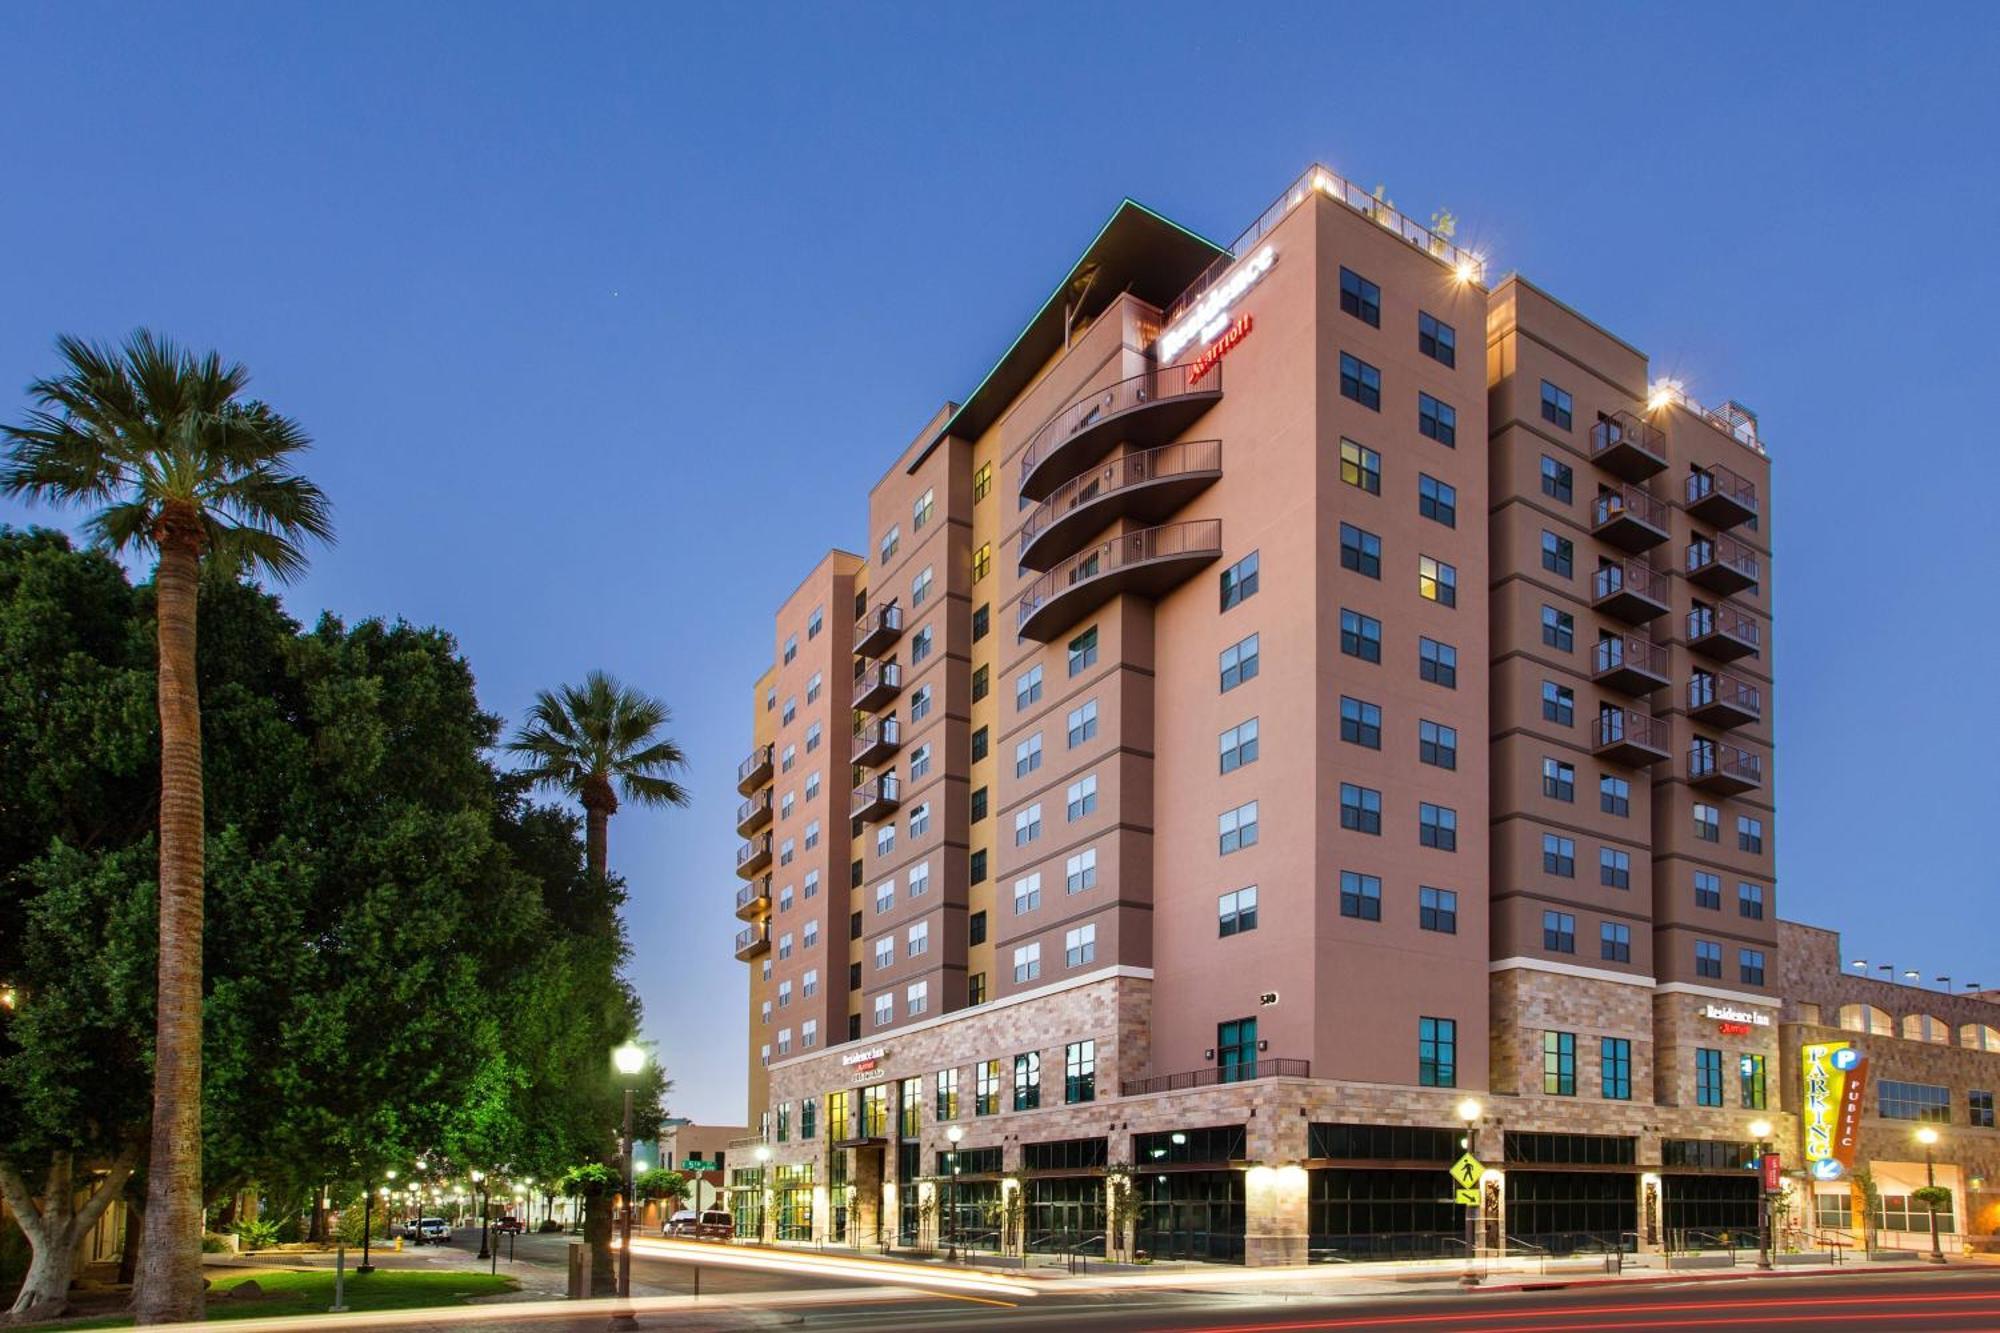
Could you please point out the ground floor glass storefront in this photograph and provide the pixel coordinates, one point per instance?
(792, 1191)
(1382, 1214)
(1702, 1212)
(1064, 1212)
(1191, 1215)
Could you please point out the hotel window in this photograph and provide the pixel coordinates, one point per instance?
(1437, 909)
(785, 805)
(885, 1009)
(921, 643)
(1558, 780)
(1360, 551)
(1750, 900)
(982, 561)
(1028, 687)
(809, 985)
(1028, 755)
(920, 587)
(885, 952)
(1750, 1074)
(1614, 868)
(1558, 629)
(766, 1012)
(917, 998)
(1707, 890)
(982, 482)
(1437, 826)
(921, 508)
(764, 1055)
(1558, 481)
(787, 850)
(1080, 946)
(812, 885)
(1238, 746)
(1437, 421)
(979, 744)
(1360, 808)
(1238, 663)
(1437, 501)
(1979, 1109)
(978, 864)
(885, 839)
(1360, 381)
(920, 761)
(1239, 581)
(810, 933)
(1708, 959)
(1615, 1068)
(1437, 1052)
(791, 713)
(1556, 406)
(1027, 894)
(1437, 581)
(1361, 466)
(1614, 942)
(1901, 1212)
(1614, 795)
(791, 649)
(784, 1049)
(1360, 298)
(784, 995)
(1080, 872)
(1360, 636)
(885, 895)
(1707, 823)
(1236, 829)
(1437, 744)
(1558, 856)
(813, 683)
(1028, 825)
(808, 1038)
(1707, 1077)
(1027, 1081)
(890, 541)
(1236, 912)
(1558, 932)
(770, 699)
(982, 621)
(812, 834)
(1437, 339)
(815, 622)
(986, 1087)
(1360, 723)
(910, 1107)
(919, 881)
(975, 928)
(1913, 1101)
(1027, 962)
(1080, 801)
(1750, 966)
(920, 703)
(1082, 723)
(813, 734)
(1437, 663)
(978, 811)
(1559, 1064)
(946, 1082)
(1083, 651)
(1558, 554)
(1749, 834)
(1360, 896)
(1080, 1072)
(1558, 704)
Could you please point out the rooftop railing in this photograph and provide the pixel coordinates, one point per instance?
(1733, 419)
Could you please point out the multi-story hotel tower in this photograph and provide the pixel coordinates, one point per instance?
(1302, 689)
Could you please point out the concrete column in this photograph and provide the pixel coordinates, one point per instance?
(1274, 1206)
(864, 1209)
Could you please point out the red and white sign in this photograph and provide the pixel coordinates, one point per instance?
(1773, 1176)
(1734, 1029)
(1211, 355)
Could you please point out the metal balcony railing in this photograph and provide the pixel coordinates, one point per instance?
(1160, 384)
(1201, 537)
(1216, 1075)
(1716, 487)
(1712, 761)
(1629, 446)
(1149, 465)
(1708, 689)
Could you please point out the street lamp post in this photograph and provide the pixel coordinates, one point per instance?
(629, 1060)
(955, 1133)
(1761, 1131)
(479, 1189)
(1929, 1137)
(367, 1224)
(1468, 1111)
(763, 1156)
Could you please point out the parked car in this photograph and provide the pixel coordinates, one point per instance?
(715, 1224)
(433, 1231)
(510, 1224)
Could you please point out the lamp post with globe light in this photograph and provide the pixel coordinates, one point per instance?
(479, 1191)
(763, 1156)
(1761, 1131)
(1929, 1137)
(629, 1060)
(955, 1133)
(1468, 1111)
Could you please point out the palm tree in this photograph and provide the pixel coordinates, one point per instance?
(596, 741)
(171, 457)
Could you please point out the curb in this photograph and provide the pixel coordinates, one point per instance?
(1560, 1284)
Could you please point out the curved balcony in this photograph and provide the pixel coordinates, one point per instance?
(1147, 409)
(755, 771)
(1722, 564)
(1147, 486)
(1718, 496)
(753, 858)
(753, 940)
(754, 899)
(1631, 590)
(1630, 665)
(1629, 518)
(1627, 447)
(877, 629)
(877, 797)
(877, 686)
(1628, 736)
(1714, 766)
(1724, 631)
(1151, 561)
(877, 740)
(1721, 700)
(754, 813)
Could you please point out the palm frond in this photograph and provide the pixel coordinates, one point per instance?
(600, 730)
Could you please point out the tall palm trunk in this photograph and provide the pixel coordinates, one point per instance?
(169, 1284)
(599, 804)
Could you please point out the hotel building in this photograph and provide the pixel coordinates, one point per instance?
(1301, 688)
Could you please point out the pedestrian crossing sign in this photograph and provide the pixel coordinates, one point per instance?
(1467, 1170)
(1468, 1198)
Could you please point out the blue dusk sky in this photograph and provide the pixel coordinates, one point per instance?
(605, 317)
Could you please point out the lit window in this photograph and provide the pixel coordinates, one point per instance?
(1361, 466)
(1437, 581)
(982, 561)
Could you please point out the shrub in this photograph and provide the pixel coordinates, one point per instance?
(257, 1234)
(211, 1243)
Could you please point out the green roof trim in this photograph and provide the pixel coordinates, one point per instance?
(1138, 249)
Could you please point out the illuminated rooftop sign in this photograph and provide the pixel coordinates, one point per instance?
(1209, 319)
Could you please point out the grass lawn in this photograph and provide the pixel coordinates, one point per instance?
(310, 1291)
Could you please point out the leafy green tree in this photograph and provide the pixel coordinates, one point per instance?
(161, 444)
(662, 1182)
